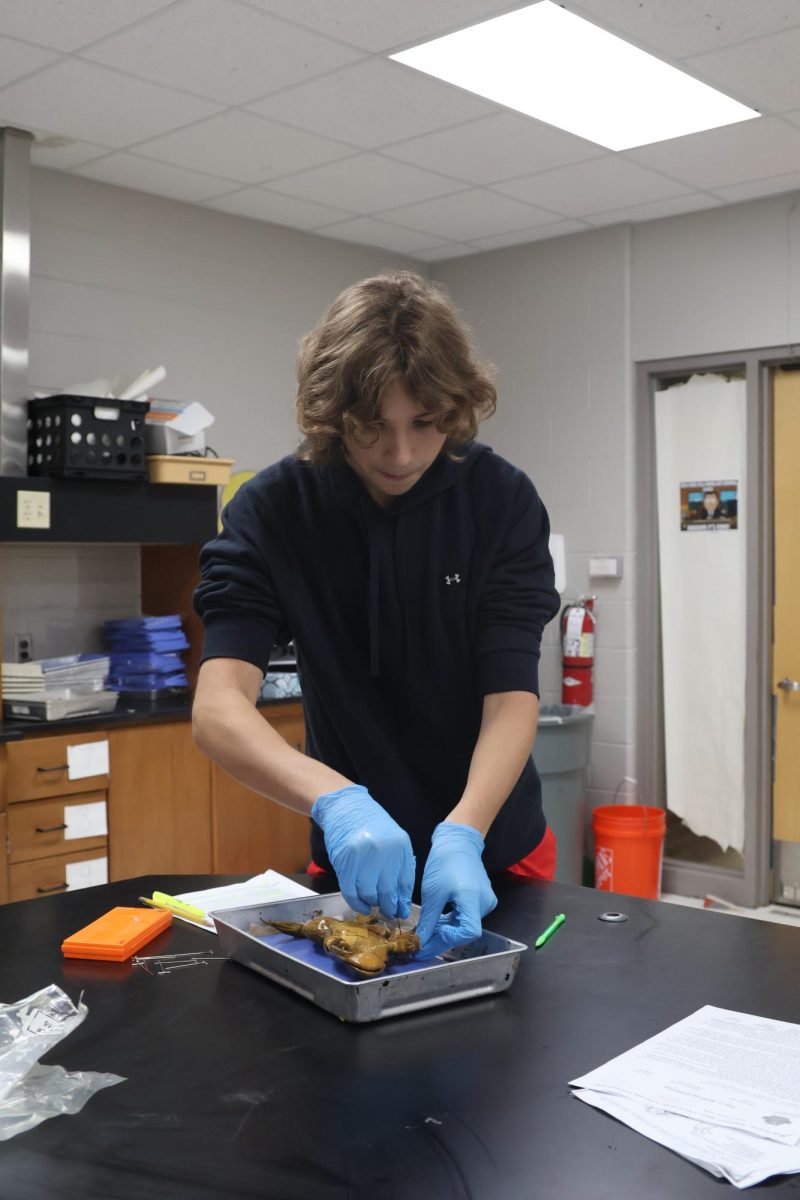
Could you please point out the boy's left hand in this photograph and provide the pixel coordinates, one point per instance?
(455, 875)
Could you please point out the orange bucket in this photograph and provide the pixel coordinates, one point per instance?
(628, 849)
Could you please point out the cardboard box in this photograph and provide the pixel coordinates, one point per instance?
(177, 468)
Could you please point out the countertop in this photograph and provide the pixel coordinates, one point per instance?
(239, 1089)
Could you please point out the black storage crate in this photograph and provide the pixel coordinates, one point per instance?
(83, 437)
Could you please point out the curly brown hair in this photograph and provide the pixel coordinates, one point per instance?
(396, 327)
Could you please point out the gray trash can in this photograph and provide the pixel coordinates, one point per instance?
(561, 755)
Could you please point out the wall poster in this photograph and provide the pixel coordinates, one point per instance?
(709, 505)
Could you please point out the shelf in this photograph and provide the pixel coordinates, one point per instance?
(98, 510)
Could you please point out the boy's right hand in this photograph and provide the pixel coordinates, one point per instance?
(370, 853)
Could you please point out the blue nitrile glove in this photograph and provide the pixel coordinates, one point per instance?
(454, 874)
(369, 852)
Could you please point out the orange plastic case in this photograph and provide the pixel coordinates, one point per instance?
(116, 935)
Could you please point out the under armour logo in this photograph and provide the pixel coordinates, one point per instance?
(452, 579)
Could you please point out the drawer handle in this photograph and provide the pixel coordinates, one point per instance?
(50, 828)
(45, 769)
(60, 887)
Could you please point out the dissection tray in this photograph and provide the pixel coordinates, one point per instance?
(486, 966)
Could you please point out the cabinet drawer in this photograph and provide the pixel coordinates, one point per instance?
(37, 767)
(48, 876)
(37, 829)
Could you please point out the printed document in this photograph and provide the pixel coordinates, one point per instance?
(719, 1087)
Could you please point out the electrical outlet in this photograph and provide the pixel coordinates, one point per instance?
(23, 647)
(33, 510)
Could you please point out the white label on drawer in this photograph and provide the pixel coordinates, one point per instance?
(86, 760)
(87, 874)
(85, 820)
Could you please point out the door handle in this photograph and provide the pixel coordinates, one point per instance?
(789, 685)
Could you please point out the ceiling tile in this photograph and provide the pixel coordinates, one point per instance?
(71, 24)
(384, 25)
(607, 182)
(675, 206)
(719, 157)
(17, 59)
(468, 215)
(160, 179)
(90, 103)
(264, 205)
(448, 250)
(220, 49)
(366, 184)
(759, 187)
(681, 27)
(494, 148)
(762, 72)
(523, 236)
(369, 232)
(243, 147)
(371, 103)
(61, 153)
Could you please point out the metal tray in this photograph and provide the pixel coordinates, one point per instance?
(486, 966)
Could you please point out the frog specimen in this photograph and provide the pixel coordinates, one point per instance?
(364, 943)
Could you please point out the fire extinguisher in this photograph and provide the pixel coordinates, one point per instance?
(577, 651)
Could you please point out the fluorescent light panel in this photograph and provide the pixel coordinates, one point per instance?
(550, 64)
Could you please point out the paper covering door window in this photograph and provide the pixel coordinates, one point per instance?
(87, 759)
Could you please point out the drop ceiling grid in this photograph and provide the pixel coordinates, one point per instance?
(293, 114)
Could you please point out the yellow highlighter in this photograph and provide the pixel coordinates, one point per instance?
(179, 907)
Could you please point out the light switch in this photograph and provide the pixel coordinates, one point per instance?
(33, 510)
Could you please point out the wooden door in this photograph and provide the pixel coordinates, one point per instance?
(159, 806)
(786, 630)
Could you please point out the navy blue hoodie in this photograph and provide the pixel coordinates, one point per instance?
(403, 619)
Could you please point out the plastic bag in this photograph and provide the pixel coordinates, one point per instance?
(30, 1092)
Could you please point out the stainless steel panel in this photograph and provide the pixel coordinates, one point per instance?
(481, 969)
(15, 270)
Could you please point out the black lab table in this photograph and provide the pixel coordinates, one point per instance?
(237, 1089)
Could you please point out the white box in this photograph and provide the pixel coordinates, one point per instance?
(161, 439)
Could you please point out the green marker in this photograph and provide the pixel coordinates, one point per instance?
(548, 933)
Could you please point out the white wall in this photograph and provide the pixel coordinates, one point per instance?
(122, 281)
(565, 321)
(723, 279)
(553, 317)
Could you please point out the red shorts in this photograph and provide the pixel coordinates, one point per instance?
(539, 864)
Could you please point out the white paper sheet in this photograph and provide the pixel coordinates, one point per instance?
(261, 889)
(732, 1154)
(719, 1087)
(87, 874)
(87, 759)
(85, 820)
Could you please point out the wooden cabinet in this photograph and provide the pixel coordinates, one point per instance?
(169, 810)
(252, 833)
(37, 767)
(160, 802)
(42, 852)
(4, 897)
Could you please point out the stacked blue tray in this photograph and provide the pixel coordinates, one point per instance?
(145, 654)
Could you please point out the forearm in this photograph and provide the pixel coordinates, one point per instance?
(505, 741)
(232, 732)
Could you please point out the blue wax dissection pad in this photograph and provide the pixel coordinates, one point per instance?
(313, 953)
